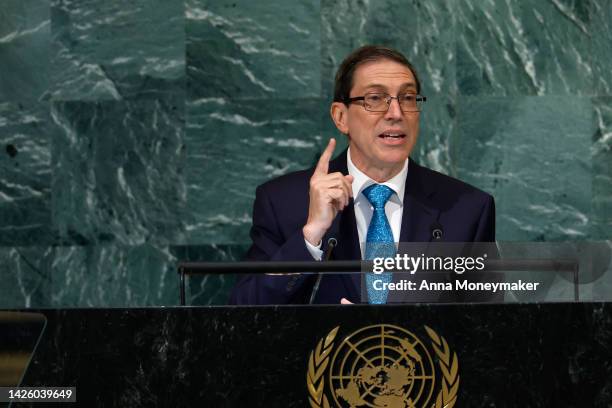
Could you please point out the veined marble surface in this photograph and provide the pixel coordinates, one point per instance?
(528, 47)
(117, 50)
(556, 354)
(134, 133)
(248, 49)
(27, 132)
(117, 171)
(537, 167)
(25, 28)
(601, 152)
(233, 146)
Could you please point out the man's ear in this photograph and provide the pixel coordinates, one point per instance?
(339, 114)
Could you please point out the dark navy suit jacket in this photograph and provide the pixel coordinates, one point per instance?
(281, 210)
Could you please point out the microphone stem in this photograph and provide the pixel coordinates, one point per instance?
(331, 244)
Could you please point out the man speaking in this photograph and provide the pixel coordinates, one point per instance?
(372, 193)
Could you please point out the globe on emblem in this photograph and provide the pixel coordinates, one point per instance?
(382, 366)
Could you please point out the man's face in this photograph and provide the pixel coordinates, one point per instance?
(380, 141)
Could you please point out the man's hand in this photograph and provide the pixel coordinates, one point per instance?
(329, 193)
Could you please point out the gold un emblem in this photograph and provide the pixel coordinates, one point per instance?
(382, 366)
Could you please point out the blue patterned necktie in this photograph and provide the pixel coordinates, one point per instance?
(379, 241)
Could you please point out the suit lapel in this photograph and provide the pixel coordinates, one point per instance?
(344, 229)
(419, 214)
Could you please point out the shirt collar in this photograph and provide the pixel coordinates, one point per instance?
(362, 181)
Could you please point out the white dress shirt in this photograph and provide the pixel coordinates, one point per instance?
(364, 210)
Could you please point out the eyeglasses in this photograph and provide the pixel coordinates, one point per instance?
(380, 102)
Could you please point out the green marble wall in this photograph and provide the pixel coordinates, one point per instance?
(134, 133)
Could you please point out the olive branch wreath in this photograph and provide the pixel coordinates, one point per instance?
(317, 363)
(447, 397)
(319, 359)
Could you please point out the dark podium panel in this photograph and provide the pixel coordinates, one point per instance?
(507, 355)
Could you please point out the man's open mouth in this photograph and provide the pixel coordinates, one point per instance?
(392, 135)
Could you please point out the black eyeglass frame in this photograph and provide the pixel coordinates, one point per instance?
(388, 99)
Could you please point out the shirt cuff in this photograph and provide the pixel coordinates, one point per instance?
(315, 251)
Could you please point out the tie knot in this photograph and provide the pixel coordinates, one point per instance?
(378, 195)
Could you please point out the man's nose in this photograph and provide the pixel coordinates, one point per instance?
(394, 112)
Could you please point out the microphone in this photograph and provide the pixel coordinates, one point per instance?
(436, 231)
(331, 244)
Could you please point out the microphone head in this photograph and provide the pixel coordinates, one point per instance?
(332, 242)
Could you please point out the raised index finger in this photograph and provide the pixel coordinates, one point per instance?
(323, 164)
